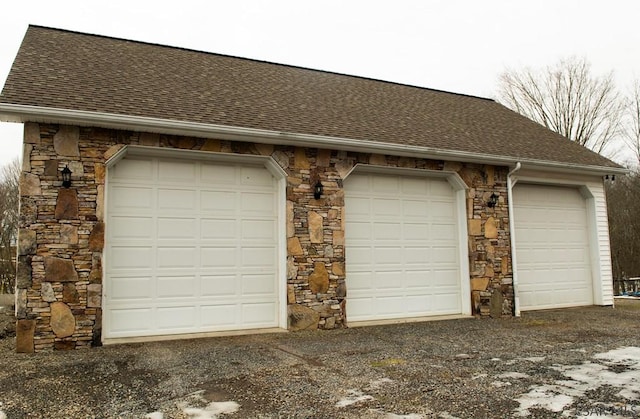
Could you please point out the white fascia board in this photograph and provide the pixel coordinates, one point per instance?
(28, 113)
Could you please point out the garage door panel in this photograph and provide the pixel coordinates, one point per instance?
(417, 255)
(130, 257)
(388, 280)
(258, 314)
(258, 229)
(397, 235)
(383, 185)
(218, 229)
(387, 256)
(177, 171)
(552, 247)
(447, 279)
(176, 286)
(414, 208)
(360, 231)
(131, 198)
(415, 279)
(257, 203)
(258, 285)
(132, 228)
(218, 285)
(386, 231)
(359, 281)
(359, 206)
(254, 176)
(133, 169)
(218, 202)
(170, 228)
(175, 199)
(440, 232)
(198, 252)
(359, 258)
(386, 206)
(419, 304)
(218, 257)
(130, 321)
(446, 303)
(441, 210)
(263, 257)
(391, 307)
(131, 288)
(219, 317)
(445, 255)
(177, 257)
(412, 231)
(438, 188)
(168, 319)
(414, 186)
(218, 174)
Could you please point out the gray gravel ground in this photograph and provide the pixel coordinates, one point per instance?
(444, 369)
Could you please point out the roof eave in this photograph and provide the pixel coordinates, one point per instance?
(29, 113)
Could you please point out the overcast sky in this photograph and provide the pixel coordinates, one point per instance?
(459, 46)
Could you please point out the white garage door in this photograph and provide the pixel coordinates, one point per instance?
(191, 247)
(552, 247)
(401, 247)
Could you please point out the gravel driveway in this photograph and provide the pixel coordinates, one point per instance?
(582, 362)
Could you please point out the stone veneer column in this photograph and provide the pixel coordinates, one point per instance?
(55, 223)
(315, 241)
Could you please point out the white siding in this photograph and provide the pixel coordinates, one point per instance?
(603, 251)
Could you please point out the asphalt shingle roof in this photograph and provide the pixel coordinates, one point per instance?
(74, 71)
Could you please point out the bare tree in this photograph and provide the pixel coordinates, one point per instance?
(9, 199)
(567, 99)
(632, 125)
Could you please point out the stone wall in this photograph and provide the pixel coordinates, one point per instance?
(61, 237)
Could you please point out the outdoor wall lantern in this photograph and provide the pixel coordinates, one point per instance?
(66, 177)
(317, 190)
(493, 201)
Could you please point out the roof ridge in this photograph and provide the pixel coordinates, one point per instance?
(261, 61)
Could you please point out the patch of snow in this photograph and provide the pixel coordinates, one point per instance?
(586, 377)
(478, 376)
(495, 359)
(3, 415)
(354, 396)
(212, 410)
(582, 350)
(544, 397)
(447, 415)
(152, 415)
(500, 384)
(463, 356)
(516, 375)
(629, 355)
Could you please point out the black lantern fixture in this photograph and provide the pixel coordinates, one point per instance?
(66, 177)
(317, 190)
(493, 201)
